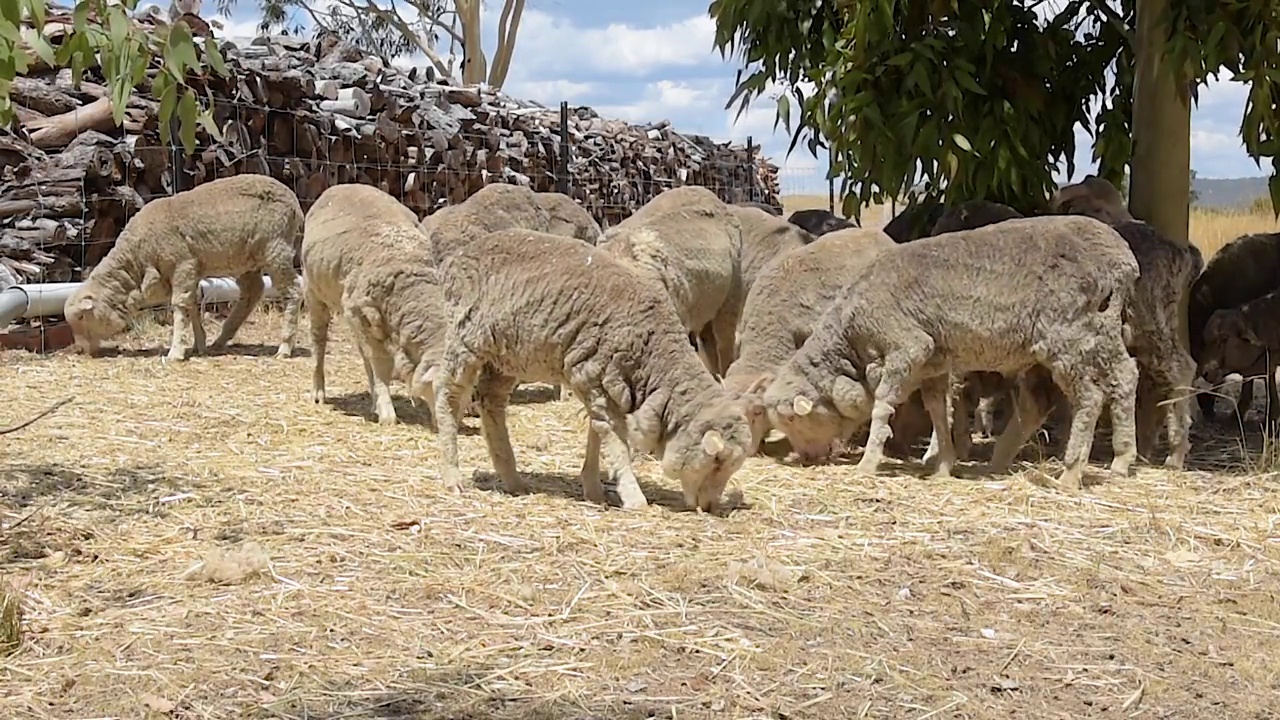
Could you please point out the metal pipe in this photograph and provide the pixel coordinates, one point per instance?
(45, 299)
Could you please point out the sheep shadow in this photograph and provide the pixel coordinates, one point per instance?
(447, 694)
(26, 492)
(359, 405)
(570, 488)
(229, 350)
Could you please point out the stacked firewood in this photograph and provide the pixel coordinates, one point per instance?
(315, 113)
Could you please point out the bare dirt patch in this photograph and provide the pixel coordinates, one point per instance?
(198, 540)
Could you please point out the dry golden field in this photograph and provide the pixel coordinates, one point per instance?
(199, 540)
(1210, 229)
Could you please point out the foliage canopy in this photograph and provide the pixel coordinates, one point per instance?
(981, 103)
(103, 35)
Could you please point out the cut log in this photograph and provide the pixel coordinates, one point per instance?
(59, 130)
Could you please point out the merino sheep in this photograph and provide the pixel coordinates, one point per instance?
(349, 227)
(1244, 269)
(567, 218)
(690, 241)
(785, 301)
(764, 237)
(1245, 339)
(1004, 298)
(973, 214)
(772, 210)
(240, 226)
(529, 306)
(819, 222)
(1093, 197)
(496, 206)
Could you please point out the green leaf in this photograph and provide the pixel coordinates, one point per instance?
(784, 112)
(118, 26)
(962, 142)
(40, 46)
(180, 53)
(214, 55)
(188, 117)
(1274, 186)
(36, 9)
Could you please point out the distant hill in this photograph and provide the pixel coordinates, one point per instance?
(1229, 192)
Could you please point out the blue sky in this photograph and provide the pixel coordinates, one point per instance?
(655, 60)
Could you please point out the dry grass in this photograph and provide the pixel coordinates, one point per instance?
(1210, 229)
(200, 542)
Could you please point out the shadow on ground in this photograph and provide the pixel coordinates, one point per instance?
(451, 695)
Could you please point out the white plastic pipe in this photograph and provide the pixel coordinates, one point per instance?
(45, 299)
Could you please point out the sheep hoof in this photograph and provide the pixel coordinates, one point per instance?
(318, 397)
(175, 356)
(452, 480)
(284, 353)
(387, 419)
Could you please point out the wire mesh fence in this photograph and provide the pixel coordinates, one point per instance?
(62, 207)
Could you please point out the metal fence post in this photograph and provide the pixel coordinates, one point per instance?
(831, 186)
(562, 172)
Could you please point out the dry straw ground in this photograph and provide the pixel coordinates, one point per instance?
(198, 541)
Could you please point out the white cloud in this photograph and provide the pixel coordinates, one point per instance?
(662, 99)
(556, 44)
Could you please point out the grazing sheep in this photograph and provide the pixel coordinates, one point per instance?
(496, 206)
(983, 391)
(1166, 368)
(777, 212)
(349, 227)
(819, 222)
(785, 301)
(915, 221)
(690, 241)
(1093, 197)
(1004, 298)
(240, 226)
(1245, 339)
(973, 214)
(567, 218)
(397, 312)
(529, 306)
(1244, 269)
(764, 237)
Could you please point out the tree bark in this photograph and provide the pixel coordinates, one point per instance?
(1160, 182)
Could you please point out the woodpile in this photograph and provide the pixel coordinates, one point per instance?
(314, 113)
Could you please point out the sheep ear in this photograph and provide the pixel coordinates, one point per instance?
(802, 405)
(712, 443)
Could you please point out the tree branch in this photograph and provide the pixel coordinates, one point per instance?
(394, 19)
(19, 426)
(1113, 17)
(508, 26)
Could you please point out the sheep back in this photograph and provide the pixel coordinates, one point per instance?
(819, 222)
(973, 214)
(765, 237)
(496, 206)
(567, 218)
(1242, 270)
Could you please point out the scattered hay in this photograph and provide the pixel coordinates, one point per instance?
(226, 567)
(824, 595)
(10, 620)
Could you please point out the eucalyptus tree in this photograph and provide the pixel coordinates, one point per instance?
(979, 99)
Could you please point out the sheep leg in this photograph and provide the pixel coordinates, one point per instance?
(1244, 401)
(592, 489)
(251, 291)
(618, 457)
(198, 345)
(185, 284)
(380, 366)
(285, 281)
(1122, 391)
(889, 393)
(1273, 396)
(724, 327)
(934, 392)
(320, 316)
(495, 392)
(1147, 410)
(455, 381)
(959, 396)
(1027, 416)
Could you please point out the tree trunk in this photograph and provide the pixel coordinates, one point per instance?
(1160, 182)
